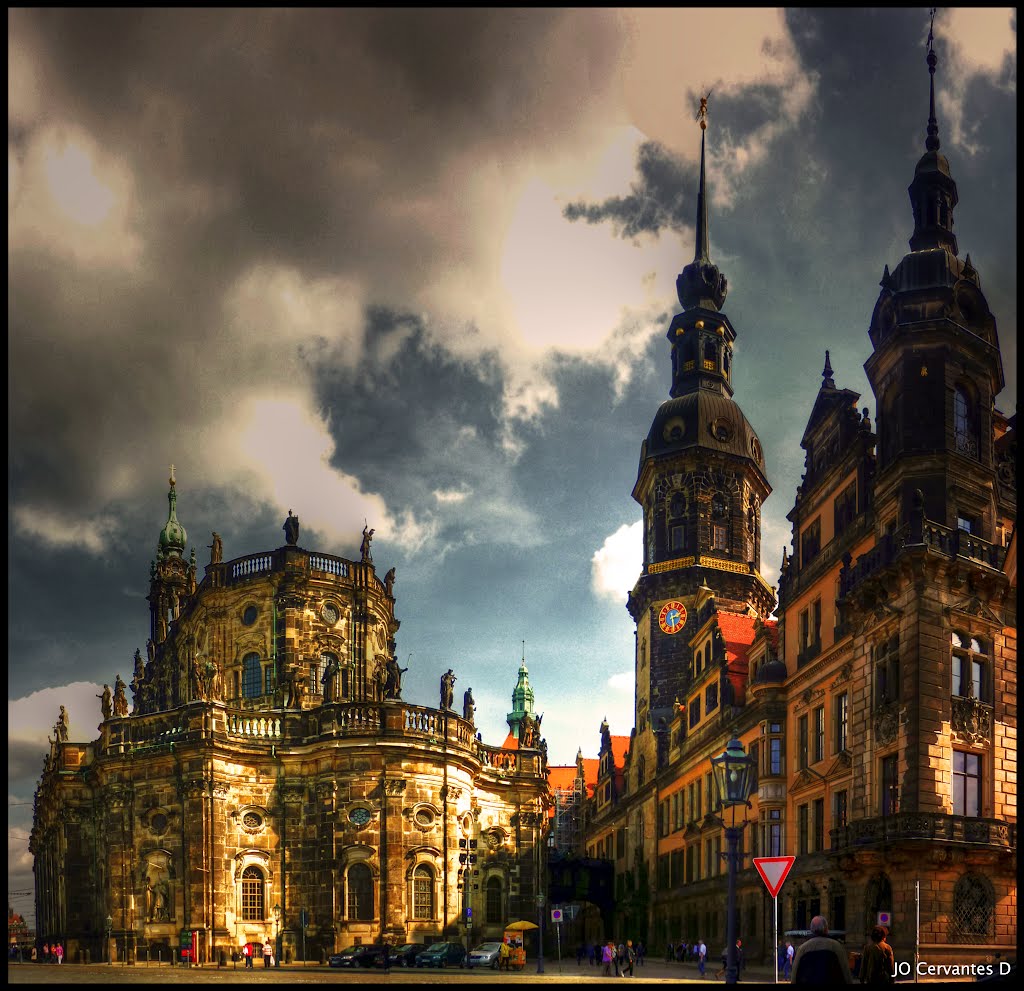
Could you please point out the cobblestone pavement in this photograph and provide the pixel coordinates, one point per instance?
(653, 972)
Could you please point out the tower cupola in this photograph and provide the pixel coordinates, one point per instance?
(173, 536)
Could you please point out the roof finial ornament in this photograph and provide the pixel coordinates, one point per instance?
(932, 141)
(172, 477)
(826, 374)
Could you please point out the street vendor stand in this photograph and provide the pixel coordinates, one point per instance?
(514, 937)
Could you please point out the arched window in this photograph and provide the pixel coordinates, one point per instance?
(974, 909)
(641, 772)
(423, 892)
(495, 912)
(253, 909)
(710, 354)
(707, 656)
(677, 522)
(359, 892)
(964, 423)
(252, 676)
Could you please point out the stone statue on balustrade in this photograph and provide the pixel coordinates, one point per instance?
(364, 548)
(447, 689)
(389, 583)
(468, 705)
(105, 704)
(291, 529)
(393, 686)
(61, 727)
(216, 549)
(120, 699)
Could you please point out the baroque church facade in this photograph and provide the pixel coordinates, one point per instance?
(878, 703)
(268, 779)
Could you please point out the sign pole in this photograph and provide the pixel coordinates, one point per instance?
(558, 942)
(775, 929)
(773, 871)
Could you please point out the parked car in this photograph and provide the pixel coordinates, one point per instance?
(371, 956)
(442, 955)
(406, 954)
(485, 955)
(347, 958)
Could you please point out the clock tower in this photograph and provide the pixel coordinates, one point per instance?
(701, 483)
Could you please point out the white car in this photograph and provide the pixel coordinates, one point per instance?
(485, 955)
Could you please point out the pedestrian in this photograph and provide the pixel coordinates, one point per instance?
(641, 952)
(877, 961)
(268, 952)
(787, 971)
(59, 953)
(607, 952)
(591, 953)
(630, 956)
(671, 953)
(503, 954)
(247, 955)
(821, 960)
(46, 952)
(702, 956)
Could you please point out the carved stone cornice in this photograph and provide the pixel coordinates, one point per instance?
(394, 787)
(293, 794)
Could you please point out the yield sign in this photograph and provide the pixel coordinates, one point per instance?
(773, 871)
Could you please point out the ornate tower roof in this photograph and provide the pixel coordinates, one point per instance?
(173, 536)
(522, 699)
(933, 192)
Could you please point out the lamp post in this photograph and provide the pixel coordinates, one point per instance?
(110, 925)
(277, 936)
(732, 776)
(540, 932)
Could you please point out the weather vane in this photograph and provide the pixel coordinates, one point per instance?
(702, 113)
(931, 28)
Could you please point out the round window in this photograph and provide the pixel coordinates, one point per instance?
(252, 820)
(158, 823)
(359, 817)
(249, 615)
(330, 614)
(424, 817)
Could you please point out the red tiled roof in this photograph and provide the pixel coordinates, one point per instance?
(511, 742)
(620, 744)
(738, 633)
(561, 777)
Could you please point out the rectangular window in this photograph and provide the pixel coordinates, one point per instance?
(695, 712)
(967, 523)
(620, 843)
(677, 537)
(314, 679)
(810, 542)
(970, 668)
(803, 827)
(819, 824)
(887, 671)
(697, 812)
(755, 764)
(966, 784)
(802, 752)
(717, 857)
(719, 538)
(710, 698)
(890, 786)
(841, 708)
(709, 864)
(696, 854)
(839, 809)
(774, 839)
(709, 791)
(845, 508)
(775, 758)
(819, 733)
(268, 680)
(689, 865)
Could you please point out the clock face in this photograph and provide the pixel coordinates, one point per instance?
(672, 617)
(330, 614)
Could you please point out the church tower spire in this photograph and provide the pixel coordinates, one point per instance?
(933, 192)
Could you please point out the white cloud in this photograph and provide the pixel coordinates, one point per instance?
(31, 718)
(616, 565)
(61, 531)
(624, 681)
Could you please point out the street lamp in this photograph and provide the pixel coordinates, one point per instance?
(110, 925)
(731, 770)
(540, 932)
(277, 936)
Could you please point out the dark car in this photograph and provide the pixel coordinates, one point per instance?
(347, 958)
(371, 956)
(442, 955)
(406, 954)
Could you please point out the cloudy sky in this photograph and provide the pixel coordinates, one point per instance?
(415, 268)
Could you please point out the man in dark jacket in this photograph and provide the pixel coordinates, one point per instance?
(821, 960)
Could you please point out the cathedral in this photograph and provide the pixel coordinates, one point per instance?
(876, 699)
(267, 779)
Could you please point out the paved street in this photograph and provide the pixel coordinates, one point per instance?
(655, 972)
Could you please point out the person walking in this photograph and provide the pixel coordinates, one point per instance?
(670, 955)
(247, 955)
(630, 957)
(821, 960)
(877, 961)
(787, 970)
(59, 953)
(641, 952)
(702, 956)
(503, 953)
(607, 952)
(268, 952)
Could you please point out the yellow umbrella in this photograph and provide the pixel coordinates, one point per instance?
(520, 926)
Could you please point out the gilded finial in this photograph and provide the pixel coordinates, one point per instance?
(172, 476)
(702, 113)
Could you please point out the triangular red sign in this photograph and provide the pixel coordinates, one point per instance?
(773, 871)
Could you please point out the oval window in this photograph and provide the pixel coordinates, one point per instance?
(249, 615)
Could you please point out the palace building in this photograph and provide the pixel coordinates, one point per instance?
(878, 704)
(269, 779)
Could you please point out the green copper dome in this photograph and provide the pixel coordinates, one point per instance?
(173, 536)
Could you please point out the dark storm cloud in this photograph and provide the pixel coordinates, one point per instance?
(662, 198)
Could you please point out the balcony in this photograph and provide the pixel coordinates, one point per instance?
(931, 827)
